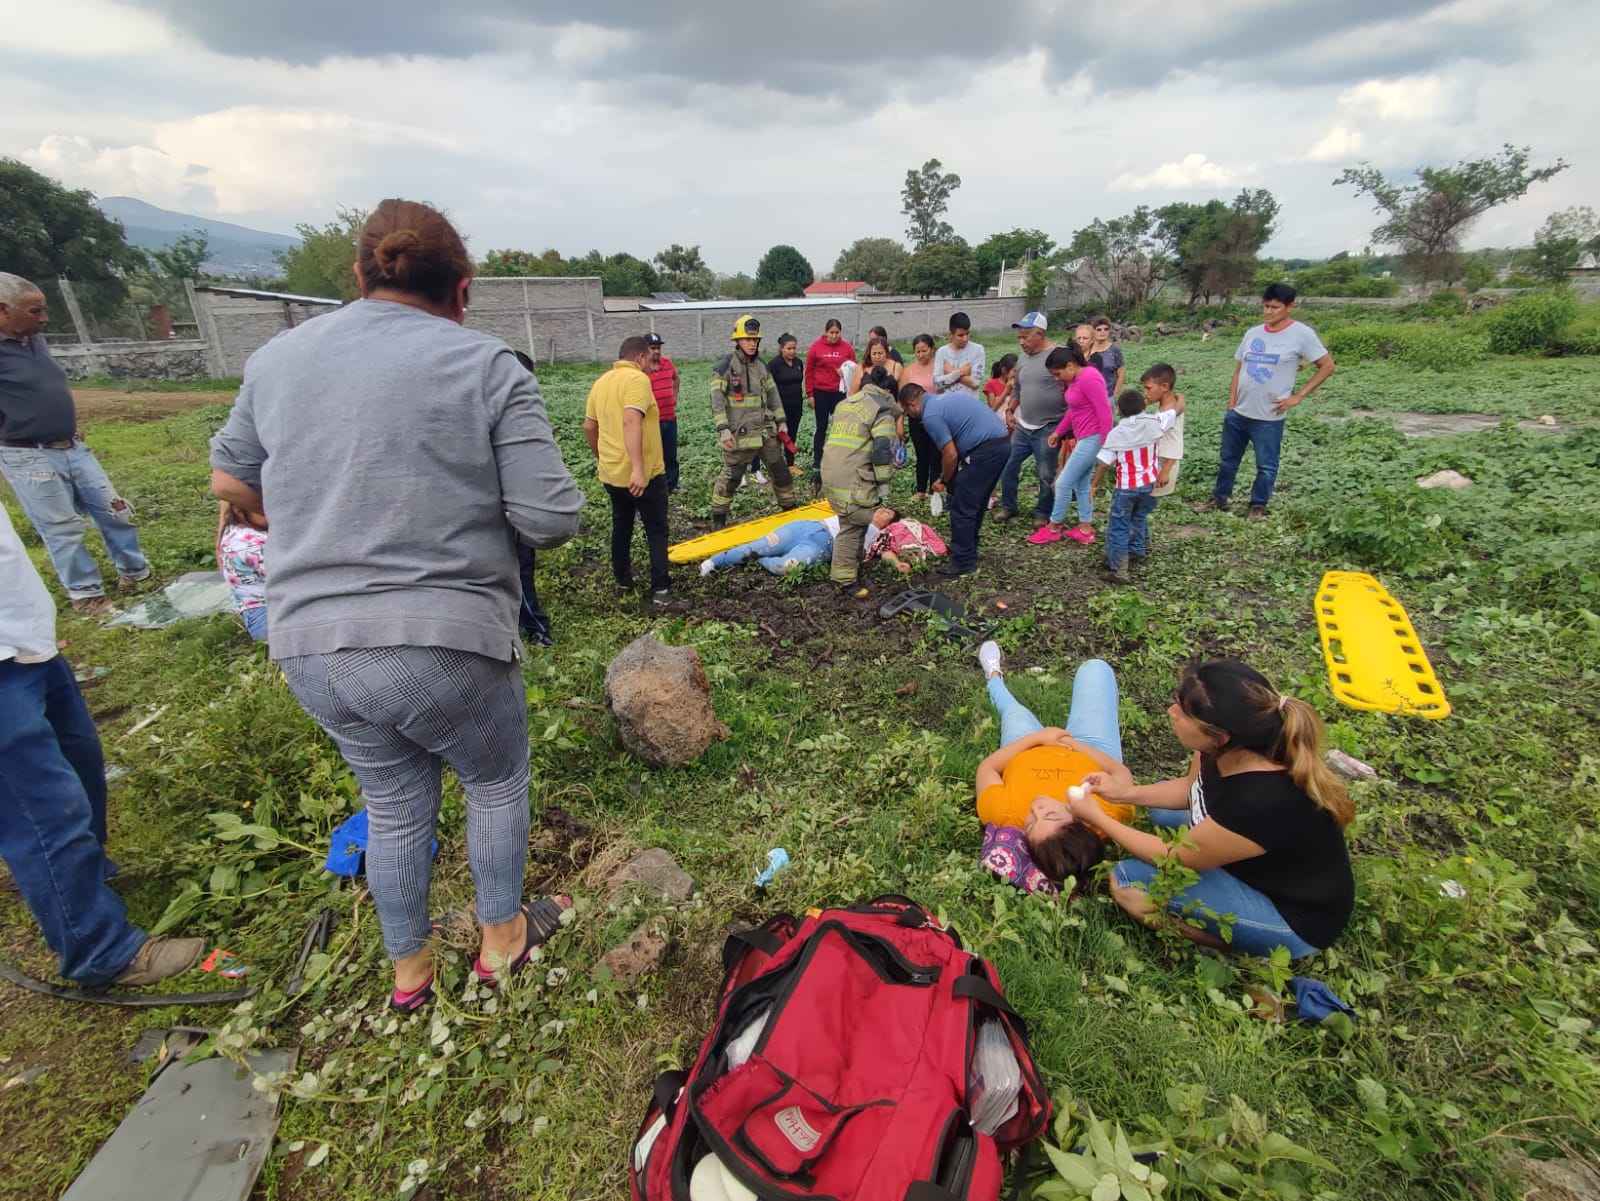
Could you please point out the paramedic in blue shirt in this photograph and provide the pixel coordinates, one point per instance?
(1261, 394)
(973, 447)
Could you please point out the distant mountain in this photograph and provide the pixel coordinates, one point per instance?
(234, 249)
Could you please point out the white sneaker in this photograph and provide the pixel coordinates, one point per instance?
(989, 658)
(707, 567)
(758, 476)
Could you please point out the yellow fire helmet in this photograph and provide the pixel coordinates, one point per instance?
(747, 327)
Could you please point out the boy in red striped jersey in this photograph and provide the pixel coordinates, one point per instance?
(1131, 450)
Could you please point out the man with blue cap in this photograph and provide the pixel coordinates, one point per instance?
(1037, 405)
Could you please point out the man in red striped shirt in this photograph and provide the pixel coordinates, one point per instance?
(663, 376)
(1131, 450)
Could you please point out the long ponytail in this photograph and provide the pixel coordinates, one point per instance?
(1227, 697)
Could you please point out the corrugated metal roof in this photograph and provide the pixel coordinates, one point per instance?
(263, 294)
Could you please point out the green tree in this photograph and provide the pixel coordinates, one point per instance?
(943, 269)
(683, 270)
(47, 230)
(783, 271)
(621, 274)
(1010, 250)
(1426, 220)
(872, 260)
(323, 264)
(1562, 240)
(511, 263)
(1123, 262)
(736, 287)
(1214, 244)
(924, 200)
(183, 258)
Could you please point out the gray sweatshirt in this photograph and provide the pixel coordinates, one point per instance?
(395, 452)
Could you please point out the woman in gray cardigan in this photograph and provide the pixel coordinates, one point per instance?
(398, 456)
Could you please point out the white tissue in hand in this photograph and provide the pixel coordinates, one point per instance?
(1076, 793)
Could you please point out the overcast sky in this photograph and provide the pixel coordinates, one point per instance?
(631, 125)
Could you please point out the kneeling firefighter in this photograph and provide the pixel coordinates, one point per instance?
(858, 461)
(749, 420)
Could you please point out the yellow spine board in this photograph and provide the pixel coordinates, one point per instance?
(1375, 659)
(707, 545)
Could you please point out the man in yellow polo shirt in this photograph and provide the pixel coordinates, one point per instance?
(623, 425)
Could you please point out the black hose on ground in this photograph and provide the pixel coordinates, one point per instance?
(124, 1000)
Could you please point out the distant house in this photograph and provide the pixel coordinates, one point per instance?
(1585, 268)
(841, 287)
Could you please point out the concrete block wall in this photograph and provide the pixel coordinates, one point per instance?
(564, 321)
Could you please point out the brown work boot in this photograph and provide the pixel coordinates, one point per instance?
(1256, 513)
(129, 582)
(159, 959)
(1212, 505)
(91, 606)
(1002, 515)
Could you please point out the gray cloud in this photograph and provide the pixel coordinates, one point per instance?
(826, 48)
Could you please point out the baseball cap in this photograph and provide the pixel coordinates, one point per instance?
(1034, 320)
(653, 339)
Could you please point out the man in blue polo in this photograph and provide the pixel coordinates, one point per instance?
(973, 449)
(55, 476)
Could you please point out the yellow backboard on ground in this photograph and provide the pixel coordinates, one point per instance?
(1375, 659)
(707, 545)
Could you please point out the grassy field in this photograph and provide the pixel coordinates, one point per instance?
(854, 744)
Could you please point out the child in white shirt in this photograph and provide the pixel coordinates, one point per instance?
(1131, 451)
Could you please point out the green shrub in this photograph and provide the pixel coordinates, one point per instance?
(1527, 324)
(1430, 347)
(1443, 303)
(1581, 335)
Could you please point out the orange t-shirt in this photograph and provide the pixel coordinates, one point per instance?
(1040, 771)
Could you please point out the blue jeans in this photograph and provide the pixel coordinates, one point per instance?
(255, 622)
(531, 617)
(1257, 926)
(793, 545)
(55, 488)
(1074, 476)
(1128, 531)
(53, 821)
(1092, 719)
(398, 714)
(1266, 437)
(1025, 442)
(669, 450)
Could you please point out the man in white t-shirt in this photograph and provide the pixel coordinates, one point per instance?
(53, 797)
(1261, 394)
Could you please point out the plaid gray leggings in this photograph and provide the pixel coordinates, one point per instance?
(398, 713)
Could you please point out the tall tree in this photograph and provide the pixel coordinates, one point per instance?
(621, 274)
(1122, 262)
(511, 263)
(736, 287)
(871, 260)
(683, 270)
(323, 264)
(47, 230)
(1563, 239)
(1010, 250)
(943, 269)
(1214, 244)
(783, 271)
(1426, 220)
(924, 200)
(182, 258)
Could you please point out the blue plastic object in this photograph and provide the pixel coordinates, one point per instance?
(1316, 1000)
(347, 846)
(777, 860)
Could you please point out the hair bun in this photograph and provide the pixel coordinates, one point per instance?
(393, 251)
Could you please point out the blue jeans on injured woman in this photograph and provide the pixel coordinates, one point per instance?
(795, 544)
(1257, 928)
(56, 488)
(1092, 719)
(1074, 476)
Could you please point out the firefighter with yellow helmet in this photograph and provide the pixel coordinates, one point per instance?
(749, 420)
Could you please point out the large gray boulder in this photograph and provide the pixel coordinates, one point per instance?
(661, 701)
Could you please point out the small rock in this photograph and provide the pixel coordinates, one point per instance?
(23, 1078)
(1348, 766)
(1181, 369)
(656, 872)
(1556, 1179)
(660, 699)
(1547, 419)
(1132, 334)
(642, 953)
(1445, 479)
